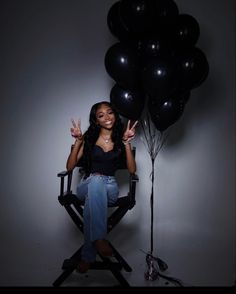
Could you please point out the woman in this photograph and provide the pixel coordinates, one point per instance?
(100, 149)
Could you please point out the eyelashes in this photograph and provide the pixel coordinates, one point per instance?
(102, 115)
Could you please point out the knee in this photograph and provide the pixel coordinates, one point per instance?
(97, 183)
(96, 179)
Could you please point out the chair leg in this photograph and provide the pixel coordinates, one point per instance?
(120, 278)
(65, 274)
(69, 265)
(115, 268)
(107, 264)
(121, 260)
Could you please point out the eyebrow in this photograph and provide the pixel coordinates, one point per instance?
(101, 112)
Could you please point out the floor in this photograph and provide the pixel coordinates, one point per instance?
(105, 278)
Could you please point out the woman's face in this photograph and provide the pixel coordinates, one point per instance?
(105, 116)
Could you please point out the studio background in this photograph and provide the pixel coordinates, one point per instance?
(52, 69)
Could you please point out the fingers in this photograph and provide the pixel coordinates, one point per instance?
(79, 122)
(73, 123)
(134, 125)
(128, 125)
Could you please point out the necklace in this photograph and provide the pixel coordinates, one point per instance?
(106, 139)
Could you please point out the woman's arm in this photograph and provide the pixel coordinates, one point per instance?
(75, 155)
(77, 150)
(128, 135)
(130, 161)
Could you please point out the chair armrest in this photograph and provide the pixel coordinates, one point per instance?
(64, 173)
(134, 177)
(132, 189)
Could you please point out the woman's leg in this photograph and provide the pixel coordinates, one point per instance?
(88, 253)
(98, 191)
(112, 190)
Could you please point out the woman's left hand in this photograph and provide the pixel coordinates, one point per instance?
(129, 133)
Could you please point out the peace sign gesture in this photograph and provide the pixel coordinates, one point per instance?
(76, 130)
(129, 133)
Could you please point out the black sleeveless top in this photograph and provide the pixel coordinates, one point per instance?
(105, 163)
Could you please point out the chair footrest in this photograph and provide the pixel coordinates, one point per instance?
(98, 265)
(71, 264)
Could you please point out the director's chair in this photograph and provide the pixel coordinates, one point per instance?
(74, 207)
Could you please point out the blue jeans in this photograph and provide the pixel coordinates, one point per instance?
(97, 192)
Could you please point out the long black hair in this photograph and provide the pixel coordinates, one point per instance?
(92, 134)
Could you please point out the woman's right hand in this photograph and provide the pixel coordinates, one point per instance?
(76, 130)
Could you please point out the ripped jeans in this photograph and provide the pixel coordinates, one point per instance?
(97, 192)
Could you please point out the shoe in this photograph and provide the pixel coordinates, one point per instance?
(83, 266)
(103, 248)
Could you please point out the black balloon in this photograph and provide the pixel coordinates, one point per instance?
(159, 77)
(156, 57)
(122, 65)
(192, 67)
(183, 98)
(154, 45)
(137, 15)
(186, 31)
(129, 103)
(165, 112)
(165, 11)
(116, 26)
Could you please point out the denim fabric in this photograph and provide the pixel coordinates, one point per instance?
(97, 192)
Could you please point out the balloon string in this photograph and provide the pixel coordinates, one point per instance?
(154, 141)
(152, 202)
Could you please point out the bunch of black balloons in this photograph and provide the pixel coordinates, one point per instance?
(155, 59)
